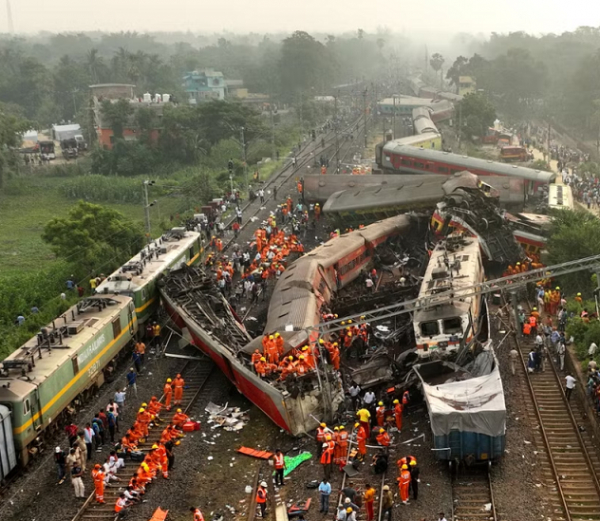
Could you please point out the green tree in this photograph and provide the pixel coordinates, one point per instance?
(92, 236)
(457, 70)
(303, 65)
(145, 120)
(573, 235)
(436, 62)
(117, 114)
(477, 114)
(11, 130)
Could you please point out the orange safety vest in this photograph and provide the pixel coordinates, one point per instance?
(279, 461)
(198, 515)
(261, 495)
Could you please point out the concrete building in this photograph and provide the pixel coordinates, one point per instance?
(204, 85)
(236, 89)
(114, 92)
(466, 85)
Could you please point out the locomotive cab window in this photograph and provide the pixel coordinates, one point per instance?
(430, 328)
(26, 407)
(452, 326)
(75, 365)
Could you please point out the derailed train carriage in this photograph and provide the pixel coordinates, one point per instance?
(466, 408)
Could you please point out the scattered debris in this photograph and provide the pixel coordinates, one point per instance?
(300, 507)
(229, 418)
(293, 462)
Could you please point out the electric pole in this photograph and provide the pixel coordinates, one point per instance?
(365, 114)
(459, 123)
(273, 151)
(244, 160)
(11, 27)
(394, 118)
(337, 142)
(147, 206)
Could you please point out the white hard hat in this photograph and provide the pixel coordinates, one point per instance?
(263, 484)
(347, 500)
(57, 449)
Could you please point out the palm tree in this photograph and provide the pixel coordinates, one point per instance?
(93, 61)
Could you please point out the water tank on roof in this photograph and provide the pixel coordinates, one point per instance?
(147, 97)
(166, 98)
(157, 98)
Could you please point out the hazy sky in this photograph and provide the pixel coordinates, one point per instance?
(287, 15)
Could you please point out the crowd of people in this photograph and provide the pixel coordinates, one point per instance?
(101, 431)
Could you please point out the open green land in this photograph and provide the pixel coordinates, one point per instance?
(27, 205)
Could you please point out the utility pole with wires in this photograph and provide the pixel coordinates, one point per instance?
(243, 143)
(365, 115)
(147, 206)
(336, 127)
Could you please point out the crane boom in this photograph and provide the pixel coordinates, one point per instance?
(502, 284)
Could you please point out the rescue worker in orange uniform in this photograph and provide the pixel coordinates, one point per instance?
(178, 385)
(161, 452)
(287, 367)
(144, 475)
(404, 483)
(179, 418)
(168, 392)
(361, 438)
(260, 367)
(261, 498)
(578, 299)
(154, 408)
(256, 356)
(317, 211)
(309, 358)
(98, 476)
(301, 367)
(383, 438)
(380, 413)
(320, 437)
(279, 464)
(342, 446)
(326, 460)
(143, 418)
(398, 408)
(279, 344)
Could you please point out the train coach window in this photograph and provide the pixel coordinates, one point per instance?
(419, 165)
(429, 328)
(454, 171)
(452, 325)
(442, 169)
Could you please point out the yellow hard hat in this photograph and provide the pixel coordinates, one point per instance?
(380, 403)
(412, 463)
(518, 263)
(321, 341)
(349, 321)
(178, 410)
(271, 337)
(142, 410)
(301, 357)
(557, 287)
(357, 425)
(335, 316)
(396, 401)
(362, 317)
(144, 404)
(305, 348)
(342, 427)
(290, 358)
(404, 467)
(349, 334)
(579, 294)
(155, 446)
(323, 425)
(381, 430)
(335, 344)
(349, 509)
(343, 323)
(277, 335)
(263, 359)
(336, 428)
(169, 380)
(534, 308)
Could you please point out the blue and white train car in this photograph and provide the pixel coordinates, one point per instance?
(466, 409)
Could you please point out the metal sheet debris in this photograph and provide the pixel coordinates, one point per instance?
(229, 418)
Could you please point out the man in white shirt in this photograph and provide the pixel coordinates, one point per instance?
(570, 385)
(592, 350)
(369, 399)
(442, 517)
(514, 355)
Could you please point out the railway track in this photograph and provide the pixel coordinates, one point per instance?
(572, 461)
(472, 496)
(196, 376)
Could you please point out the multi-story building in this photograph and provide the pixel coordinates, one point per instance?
(204, 85)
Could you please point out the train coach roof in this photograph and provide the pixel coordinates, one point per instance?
(87, 323)
(466, 162)
(150, 262)
(472, 405)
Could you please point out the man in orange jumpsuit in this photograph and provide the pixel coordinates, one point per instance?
(179, 418)
(178, 385)
(98, 476)
(256, 356)
(327, 458)
(361, 438)
(279, 344)
(342, 446)
(398, 414)
(380, 412)
(404, 483)
(260, 367)
(144, 475)
(143, 418)
(383, 438)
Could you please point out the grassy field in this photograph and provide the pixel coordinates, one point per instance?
(27, 205)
